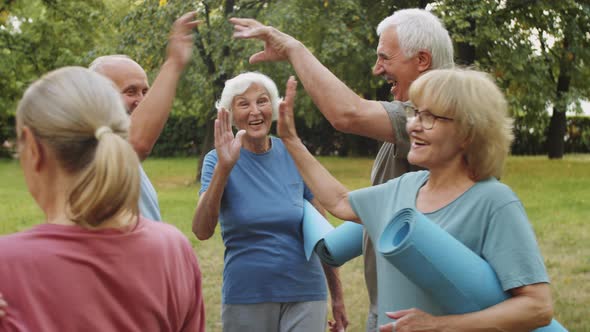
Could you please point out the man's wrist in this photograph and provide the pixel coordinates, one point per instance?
(294, 48)
(173, 64)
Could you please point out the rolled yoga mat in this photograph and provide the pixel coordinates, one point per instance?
(457, 278)
(334, 246)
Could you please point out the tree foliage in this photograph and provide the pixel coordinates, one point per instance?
(537, 50)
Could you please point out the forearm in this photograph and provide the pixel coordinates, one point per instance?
(334, 285)
(518, 313)
(342, 107)
(207, 211)
(149, 118)
(331, 194)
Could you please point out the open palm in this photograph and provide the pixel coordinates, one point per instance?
(286, 122)
(226, 145)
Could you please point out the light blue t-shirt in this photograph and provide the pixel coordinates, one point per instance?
(488, 218)
(148, 198)
(261, 226)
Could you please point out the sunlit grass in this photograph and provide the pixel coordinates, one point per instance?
(555, 194)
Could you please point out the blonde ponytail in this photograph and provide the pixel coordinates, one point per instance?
(80, 116)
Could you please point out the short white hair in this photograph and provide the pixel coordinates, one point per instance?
(241, 83)
(419, 29)
(98, 63)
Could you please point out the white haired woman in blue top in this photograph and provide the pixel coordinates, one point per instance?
(251, 185)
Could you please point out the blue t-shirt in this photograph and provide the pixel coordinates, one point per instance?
(261, 225)
(148, 199)
(488, 218)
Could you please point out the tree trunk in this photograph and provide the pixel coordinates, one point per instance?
(557, 125)
(206, 146)
(466, 50)
(218, 83)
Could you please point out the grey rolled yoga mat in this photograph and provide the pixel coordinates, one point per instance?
(457, 278)
(334, 246)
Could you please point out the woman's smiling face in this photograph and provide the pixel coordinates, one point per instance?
(252, 111)
(436, 147)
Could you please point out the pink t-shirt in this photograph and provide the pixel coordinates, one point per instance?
(67, 278)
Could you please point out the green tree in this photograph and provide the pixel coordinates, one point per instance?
(37, 36)
(537, 51)
(143, 35)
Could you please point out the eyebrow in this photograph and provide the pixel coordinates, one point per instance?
(134, 87)
(266, 94)
(383, 55)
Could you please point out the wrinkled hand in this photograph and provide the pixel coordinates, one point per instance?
(286, 122)
(226, 145)
(180, 41)
(276, 43)
(410, 320)
(340, 322)
(3, 306)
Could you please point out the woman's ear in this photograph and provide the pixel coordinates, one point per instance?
(466, 142)
(33, 148)
(424, 60)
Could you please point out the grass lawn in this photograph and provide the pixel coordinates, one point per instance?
(555, 194)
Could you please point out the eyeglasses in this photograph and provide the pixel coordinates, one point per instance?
(426, 118)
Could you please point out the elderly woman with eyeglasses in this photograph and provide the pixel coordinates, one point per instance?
(461, 133)
(250, 183)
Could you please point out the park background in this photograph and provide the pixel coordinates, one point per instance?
(537, 51)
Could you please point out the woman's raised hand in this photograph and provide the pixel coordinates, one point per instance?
(226, 145)
(286, 122)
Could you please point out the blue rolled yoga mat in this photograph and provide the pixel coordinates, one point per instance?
(457, 278)
(338, 245)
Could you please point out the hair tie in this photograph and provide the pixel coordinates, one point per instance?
(101, 131)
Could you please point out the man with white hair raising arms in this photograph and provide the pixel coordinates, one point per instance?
(149, 110)
(411, 42)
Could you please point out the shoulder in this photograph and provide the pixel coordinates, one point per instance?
(167, 234)
(211, 155)
(494, 191)
(393, 106)
(389, 188)
(417, 177)
(162, 228)
(277, 143)
(31, 243)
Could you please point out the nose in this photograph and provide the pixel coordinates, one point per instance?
(413, 124)
(377, 68)
(255, 109)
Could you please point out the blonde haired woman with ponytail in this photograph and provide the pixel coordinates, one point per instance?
(94, 263)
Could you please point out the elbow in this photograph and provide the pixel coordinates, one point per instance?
(200, 233)
(142, 149)
(342, 123)
(544, 314)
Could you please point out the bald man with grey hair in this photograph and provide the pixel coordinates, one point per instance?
(149, 108)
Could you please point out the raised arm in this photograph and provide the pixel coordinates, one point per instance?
(331, 194)
(345, 110)
(529, 307)
(228, 151)
(149, 118)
